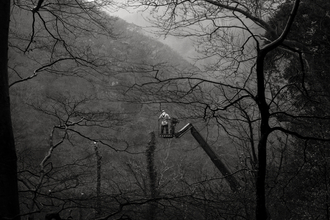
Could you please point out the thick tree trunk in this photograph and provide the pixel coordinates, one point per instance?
(265, 130)
(261, 211)
(9, 205)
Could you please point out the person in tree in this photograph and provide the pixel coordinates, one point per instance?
(165, 118)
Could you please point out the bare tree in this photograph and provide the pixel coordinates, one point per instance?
(60, 22)
(9, 205)
(233, 87)
(56, 182)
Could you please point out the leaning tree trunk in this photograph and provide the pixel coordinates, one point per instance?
(9, 205)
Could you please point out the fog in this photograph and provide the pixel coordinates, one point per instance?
(183, 46)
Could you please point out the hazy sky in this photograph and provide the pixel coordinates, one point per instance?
(183, 46)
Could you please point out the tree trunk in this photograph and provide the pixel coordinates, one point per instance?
(98, 181)
(150, 153)
(261, 211)
(9, 205)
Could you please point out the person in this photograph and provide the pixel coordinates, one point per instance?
(174, 121)
(165, 118)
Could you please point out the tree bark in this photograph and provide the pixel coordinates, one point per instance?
(265, 130)
(9, 204)
(261, 213)
(150, 153)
